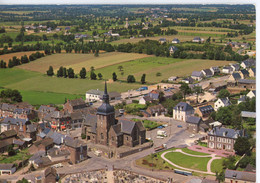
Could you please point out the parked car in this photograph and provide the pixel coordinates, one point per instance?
(192, 135)
(179, 126)
(159, 137)
(161, 127)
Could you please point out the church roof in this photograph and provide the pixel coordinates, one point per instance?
(105, 108)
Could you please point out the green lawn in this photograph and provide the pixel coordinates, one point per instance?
(216, 165)
(188, 161)
(23, 154)
(193, 152)
(149, 125)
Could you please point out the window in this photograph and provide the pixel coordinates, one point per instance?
(102, 136)
(211, 138)
(126, 138)
(219, 145)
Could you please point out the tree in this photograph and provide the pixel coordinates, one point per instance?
(220, 177)
(65, 72)
(100, 76)
(242, 145)
(158, 74)
(161, 96)
(114, 76)
(71, 73)
(223, 93)
(93, 76)
(14, 95)
(83, 73)
(131, 79)
(185, 89)
(96, 53)
(60, 72)
(143, 78)
(224, 115)
(23, 181)
(197, 90)
(50, 71)
(120, 68)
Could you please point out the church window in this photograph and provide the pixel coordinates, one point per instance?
(102, 136)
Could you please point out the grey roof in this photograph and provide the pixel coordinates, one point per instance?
(77, 102)
(208, 72)
(189, 79)
(197, 38)
(244, 72)
(183, 106)
(162, 39)
(174, 48)
(105, 108)
(56, 137)
(147, 98)
(228, 67)
(21, 111)
(176, 39)
(242, 99)
(117, 129)
(154, 96)
(91, 120)
(37, 155)
(197, 74)
(248, 114)
(95, 92)
(225, 132)
(193, 119)
(249, 62)
(127, 126)
(225, 101)
(240, 175)
(236, 75)
(76, 115)
(44, 108)
(7, 166)
(14, 121)
(253, 69)
(18, 142)
(75, 143)
(246, 81)
(31, 128)
(237, 66)
(206, 109)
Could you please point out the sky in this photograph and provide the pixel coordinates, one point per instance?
(2, 2)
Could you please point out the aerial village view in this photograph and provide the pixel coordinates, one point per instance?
(127, 93)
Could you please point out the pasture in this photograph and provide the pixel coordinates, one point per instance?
(77, 61)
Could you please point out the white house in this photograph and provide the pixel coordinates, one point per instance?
(175, 41)
(197, 75)
(162, 40)
(251, 94)
(172, 78)
(7, 169)
(221, 102)
(94, 95)
(215, 70)
(227, 70)
(182, 111)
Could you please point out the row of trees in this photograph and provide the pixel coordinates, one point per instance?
(24, 59)
(9, 95)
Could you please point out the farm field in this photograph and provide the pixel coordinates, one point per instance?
(6, 57)
(77, 61)
(166, 66)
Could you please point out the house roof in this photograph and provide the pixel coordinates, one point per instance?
(44, 108)
(31, 128)
(14, 121)
(183, 106)
(193, 119)
(246, 81)
(240, 175)
(225, 132)
(253, 69)
(176, 39)
(7, 166)
(236, 75)
(252, 91)
(244, 72)
(156, 108)
(248, 114)
(197, 74)
(91, 120)
(50, 170)
(147, 98)
(76, 115)
(206, 109)
(189, 79)
(95, 92)
(225, 101)
(162, 39)
(75, 143)
(208, 72)
(127, 126)
(9, 133)
(18, 142)
(196, 38)
(228, 67)
(117, 129)
(77, 102)
(6, 142)
(174, 48)
(114, 94)
(45, 142)
(242, 99)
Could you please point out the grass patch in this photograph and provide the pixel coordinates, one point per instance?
(22, 155)
(193, 152)
(216, 165)
(149, 125)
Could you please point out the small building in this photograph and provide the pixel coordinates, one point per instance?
(217, 86)
(162, 40)
(74, 105)
(215, 70)
(234, 76)
(236, 176)
(172, 49)
(78, 150)
(221, 102)
(7, 169)
(205, 111)
(145, 100)
(235, 67)
(251, 94)
(251, 62)
(172, 78)
(197, 40)
(241, 99)
(227, 70)
(252, 72)
(156, 110)
(182, 111)
(223, 138)
(50, 175)
(193, 124)
(114, 96)
(197, 75)
(246, 83)
(94, 95)
(42, 145)
(188, 80)
(207, 73)
(244, 74)
(175, 41)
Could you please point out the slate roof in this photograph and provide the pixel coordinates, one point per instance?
(154, 96)
(75, 143)
(56, 137)
(5, 143)
(225, 132)
(173, 48)
(147, 98)
(18, 142)
(183, 106)
(244, 72)
(193, 120)
(197, 74)
(44, 108)
(91, 120)
(162, 39)
(236, 66)
(248, 114)
(156, 108)
(114, 94)
(206, 109)
(31, 128)
(45, 142)
(249, 62)
(140, 125)
(236, 75)
(246, 81)
(127, 126)
(76, 115)
(208, 72)
(253, 69)
(9, 133)
(240, 175)
(175, 39)
(14, 121)
(77, 102)
(7, 166)
(242, 99)
(225, 101)
(95, 92)
(228, 67)
(117, 129)
(189, 79)
(197, 38)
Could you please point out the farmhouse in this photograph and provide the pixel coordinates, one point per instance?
(74, 105)
(197, 75)
(188, 80)
(193, 123)
(235, 67)
(240, 176)
(145, 100)
(156, 110)
(162, 40)
(234, 76)
(223, 138)
(221, 102)
(217, 86)
(182, 111)
(246, 83)
(248, 63)
(77, 150)
(172, 78)
(207, 73)
(227, 70)
(175, 41)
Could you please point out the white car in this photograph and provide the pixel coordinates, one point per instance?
(159, 137)
(192, 135)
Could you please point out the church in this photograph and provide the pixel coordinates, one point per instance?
(102, 127)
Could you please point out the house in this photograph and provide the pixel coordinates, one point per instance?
(50, 175)
(172, 78)
(251, 94)
(246, 83)
(197, 40)
(235, 67)
(94, 95)
(8, 134)
(197, 75)
(193, 124)
(156, 110)
(172, 49)
(188, 80)
(154, 94)
(244, 74)
(4, 145)
(44, 110)
(182, 111)
(234, 76)
(252, 72)
(221, 102)
(207, 73)
(42, 145)
(223, 138)
(20, 143)
(204, 111)
(175, 41)
(115, 35)
(76, 119)
(77, 149)
(7, 169)
(241, 99)
(162, 40)
(58, 154)
(114, 96)
(215, 70)
(227, 70)
(251, 62)
(217, 86)
(235, 176)
(74, 105)
(145, 100)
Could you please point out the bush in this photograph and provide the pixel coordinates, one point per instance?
(83, 136)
